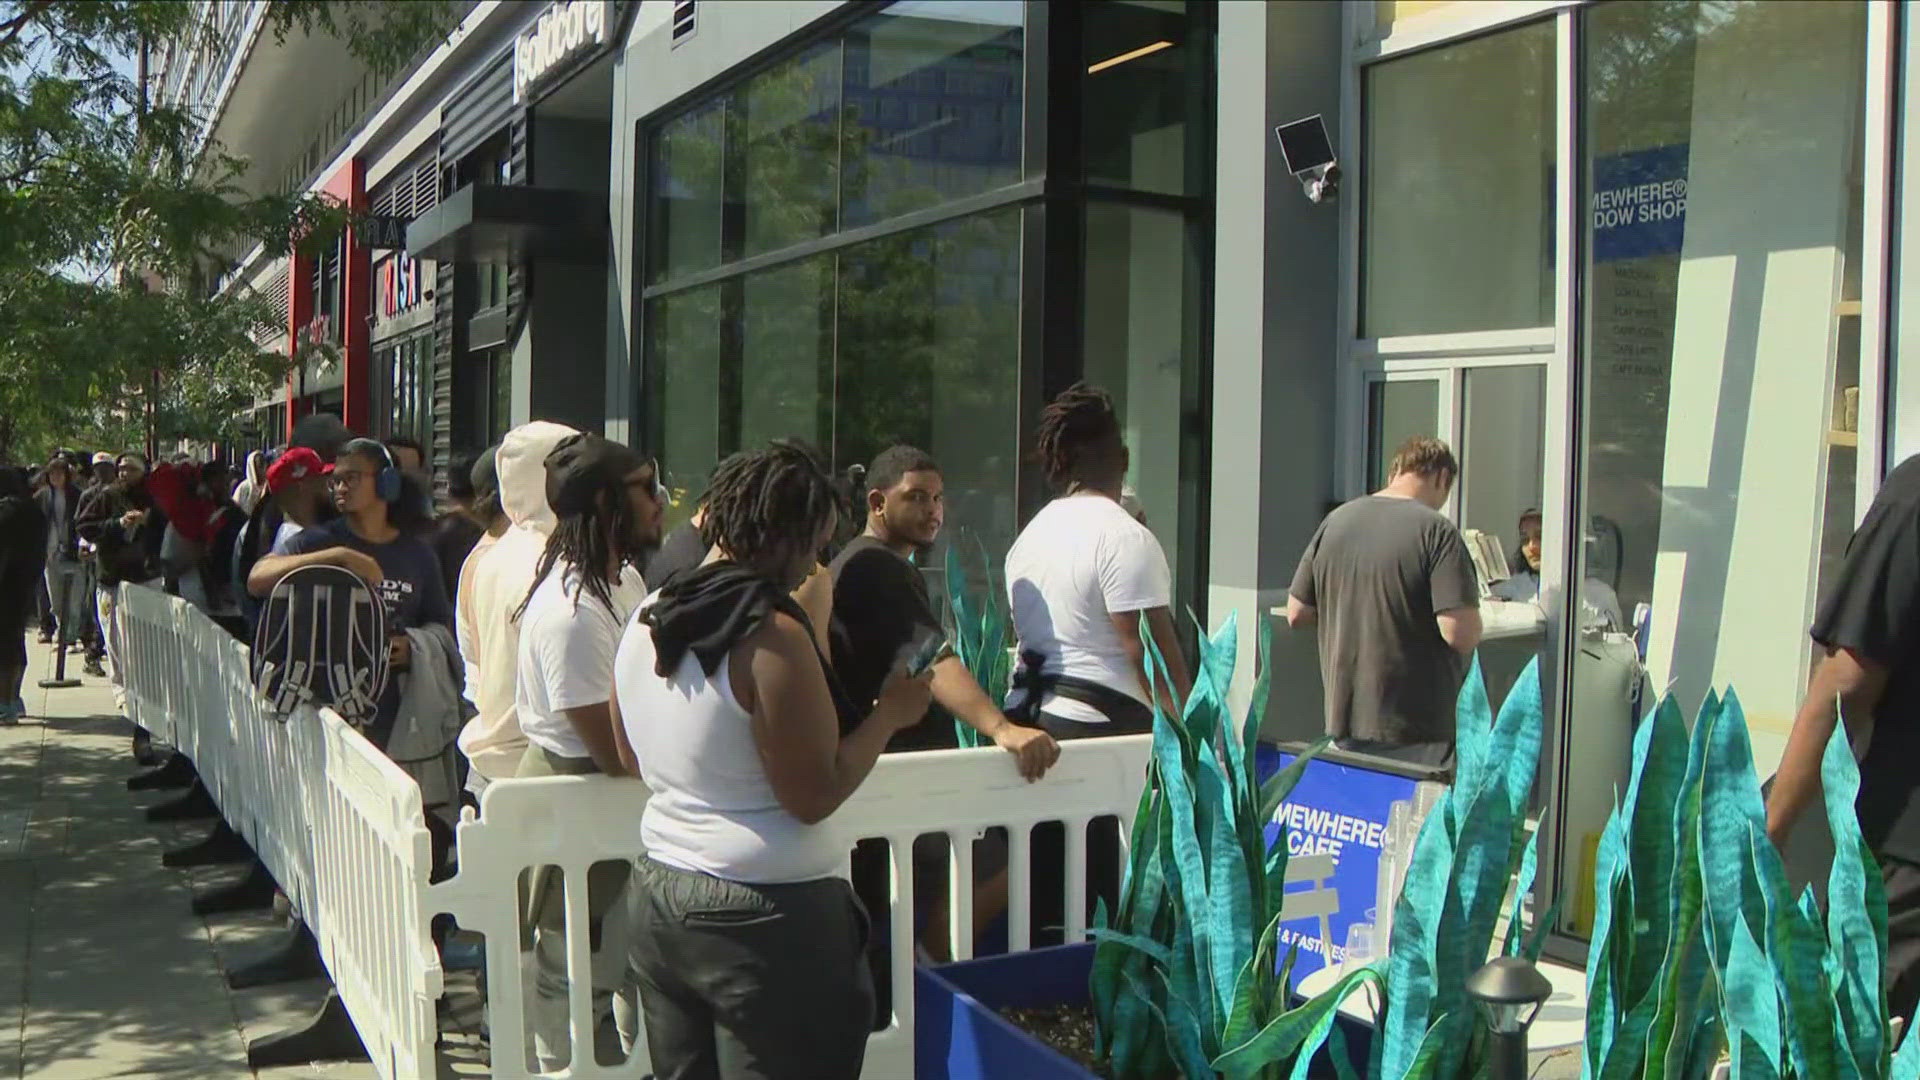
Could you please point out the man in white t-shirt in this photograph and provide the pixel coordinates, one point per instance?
(1080, 578)
(606, 502)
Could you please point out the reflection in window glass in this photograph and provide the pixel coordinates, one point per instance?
(785, 381)
(1458, 215)
(1722, 233)
(929, 355)
(1140, 329)
(684, 332)
(914, 340)
(933, 100)
(787, 124)
(1397, 411)
(683, 232)
(1142, 62)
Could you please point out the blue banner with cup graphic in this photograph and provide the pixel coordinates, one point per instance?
(1341, 810)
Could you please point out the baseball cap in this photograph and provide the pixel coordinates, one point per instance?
(103, 458)
(581, 466)
(293, 466)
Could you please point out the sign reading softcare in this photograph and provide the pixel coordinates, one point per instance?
(563, 31)
(1337, 810)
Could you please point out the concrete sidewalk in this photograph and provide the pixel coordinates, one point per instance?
(104, 970)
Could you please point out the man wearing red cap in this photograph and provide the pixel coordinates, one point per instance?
(297, 480)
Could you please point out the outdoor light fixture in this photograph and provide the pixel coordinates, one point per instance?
(1144, 50)
(1509, 992)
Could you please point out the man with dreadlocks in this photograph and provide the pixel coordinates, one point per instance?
(1080, 578)
(607, 511)
(748, 946)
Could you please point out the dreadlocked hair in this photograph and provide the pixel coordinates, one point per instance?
(767, 504)
(1079, 437)
(589, 542)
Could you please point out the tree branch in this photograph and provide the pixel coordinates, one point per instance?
(11, 29)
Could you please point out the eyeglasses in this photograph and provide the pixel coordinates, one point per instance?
(347, 478)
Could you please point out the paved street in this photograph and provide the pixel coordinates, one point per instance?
(104, 970)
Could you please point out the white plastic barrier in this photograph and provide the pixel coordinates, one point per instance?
(574, 822)
(338, 825)
(342, 830)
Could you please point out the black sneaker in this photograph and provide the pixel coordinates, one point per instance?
(46, 637)
(93, 668)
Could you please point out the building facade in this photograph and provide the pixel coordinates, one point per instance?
(1644, 294)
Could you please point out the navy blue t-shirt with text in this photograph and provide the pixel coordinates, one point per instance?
(413, 591)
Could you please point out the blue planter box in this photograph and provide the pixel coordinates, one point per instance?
(958, 1033)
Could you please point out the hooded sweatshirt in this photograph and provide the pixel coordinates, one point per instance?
(493, 581)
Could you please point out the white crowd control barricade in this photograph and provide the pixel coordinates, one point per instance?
(372, 858)
(144, 645)
(961, 794)
(574, 822)
(338, 825)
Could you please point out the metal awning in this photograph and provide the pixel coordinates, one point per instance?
(494, 223)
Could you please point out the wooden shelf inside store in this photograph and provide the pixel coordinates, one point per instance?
(1836, 437)
(1847, 309)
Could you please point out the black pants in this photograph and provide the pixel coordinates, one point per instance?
(1903, 935)
(750, 982)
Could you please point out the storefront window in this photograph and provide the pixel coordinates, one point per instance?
(1502, 451)
(683, 229)
(1139, 329)
(932, 105)
(1140, 88)
(1457, 227)
(913, 339)
(785, 125)
(929, 355)
(1720, 322)
(1397, 410)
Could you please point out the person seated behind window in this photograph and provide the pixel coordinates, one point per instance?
(1599, 604)
(748, 947)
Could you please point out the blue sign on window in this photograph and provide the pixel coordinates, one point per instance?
(1639, 203)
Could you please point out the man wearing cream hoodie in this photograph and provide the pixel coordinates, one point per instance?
(494, 580)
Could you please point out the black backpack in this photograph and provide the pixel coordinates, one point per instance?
(322, 641)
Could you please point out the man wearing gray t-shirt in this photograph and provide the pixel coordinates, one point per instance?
(1390, 583)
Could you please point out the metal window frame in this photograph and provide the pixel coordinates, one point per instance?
(1051, 195)
(1364, 360)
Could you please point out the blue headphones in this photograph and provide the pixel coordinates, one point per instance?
(386, 482)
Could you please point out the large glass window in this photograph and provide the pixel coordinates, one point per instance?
(1719, 452)
(1140, 303)
(1142, 83)
(912, 338)
(933, 101)
(817, 313)
(1458, 202)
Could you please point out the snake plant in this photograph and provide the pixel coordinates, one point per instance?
(1700, 947)
(1473, 845)
(1186, 976)
(979, 636)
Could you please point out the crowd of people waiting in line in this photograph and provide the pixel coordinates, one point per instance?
(749, 665)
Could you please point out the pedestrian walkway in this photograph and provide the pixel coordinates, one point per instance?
(104, 970)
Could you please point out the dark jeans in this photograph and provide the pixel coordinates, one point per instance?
(750, 982)
(1903, 935)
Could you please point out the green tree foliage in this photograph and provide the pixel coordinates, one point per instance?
(113, 214)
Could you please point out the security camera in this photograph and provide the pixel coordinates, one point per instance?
(1309, 156)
